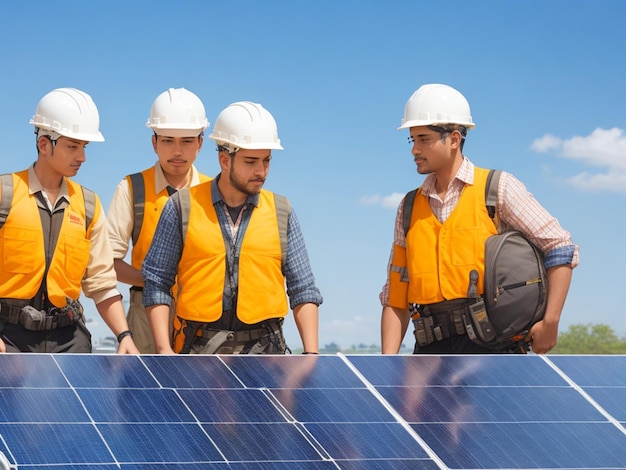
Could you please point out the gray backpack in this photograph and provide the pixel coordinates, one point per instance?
(516, 283)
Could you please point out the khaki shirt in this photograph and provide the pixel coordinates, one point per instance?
(100, 280)
(121, 214)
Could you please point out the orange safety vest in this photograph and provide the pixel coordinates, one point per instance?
(202, 267)
(147, 208)
(438, 258)
(22, 250)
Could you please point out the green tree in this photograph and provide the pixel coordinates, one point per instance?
(589, 339)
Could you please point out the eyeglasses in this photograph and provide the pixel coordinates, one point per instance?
(426, 139)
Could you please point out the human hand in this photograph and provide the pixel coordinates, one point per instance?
(542, 336)
(3, 347)
(127, 346)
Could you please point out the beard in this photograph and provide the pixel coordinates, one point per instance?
(246, 187)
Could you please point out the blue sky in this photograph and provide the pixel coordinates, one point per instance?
(545, 82)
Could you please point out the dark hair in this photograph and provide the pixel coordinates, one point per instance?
(446, 129)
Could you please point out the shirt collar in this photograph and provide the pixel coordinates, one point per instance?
(34, 185)
(217, 196)
(464, 175)
(160, 182)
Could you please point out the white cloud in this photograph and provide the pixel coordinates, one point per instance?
(546, 143)
(391, 201)
(615, 182)
(603, 148)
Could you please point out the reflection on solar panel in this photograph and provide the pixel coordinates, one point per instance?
(312, 412)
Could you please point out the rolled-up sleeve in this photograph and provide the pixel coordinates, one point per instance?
(100, 280)
(519, 210)
(120, 220)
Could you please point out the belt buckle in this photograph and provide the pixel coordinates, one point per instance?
(54, 312)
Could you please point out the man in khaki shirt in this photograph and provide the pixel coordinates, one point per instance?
(178, 120)
(55, 239)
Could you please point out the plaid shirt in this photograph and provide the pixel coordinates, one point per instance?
(161, 263)
(517, 209)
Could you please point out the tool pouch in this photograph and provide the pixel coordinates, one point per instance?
(39, 320)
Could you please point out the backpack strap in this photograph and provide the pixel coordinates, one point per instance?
(407, 209)
(491, 196)
(90, 206)
(491, 192)
(184, 199)
(283, 210)
(6, 196)
(138, 189)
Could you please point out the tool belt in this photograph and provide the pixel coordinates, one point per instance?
(40, 320)
(257, 339)
(242, 336)
(436, 322)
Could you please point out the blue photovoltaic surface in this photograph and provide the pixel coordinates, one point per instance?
(602, 377)
(312, 412)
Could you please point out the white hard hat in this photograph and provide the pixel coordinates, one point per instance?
(246, 125)
(177, 113)
(436, 104)
(68, 112)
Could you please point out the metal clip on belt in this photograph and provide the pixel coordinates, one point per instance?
(218, 337)
(425, 331)
(439, 323)
(240, 336)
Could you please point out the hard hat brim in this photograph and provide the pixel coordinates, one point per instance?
(85, 137)
(178, 132)
(417, 123)
(247, 145)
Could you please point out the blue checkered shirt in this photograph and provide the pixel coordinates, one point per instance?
(161, 262)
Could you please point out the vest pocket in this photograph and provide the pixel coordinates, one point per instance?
(75, 253)
(22, 249)
(464, 246)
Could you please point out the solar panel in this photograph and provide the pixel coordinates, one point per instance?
(312, 412)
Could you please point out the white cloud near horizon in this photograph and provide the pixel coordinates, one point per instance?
(390, 202)
(603, 148)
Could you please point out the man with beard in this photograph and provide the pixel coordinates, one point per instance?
(232, 247)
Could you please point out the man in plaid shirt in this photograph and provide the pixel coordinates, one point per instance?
(428, 266)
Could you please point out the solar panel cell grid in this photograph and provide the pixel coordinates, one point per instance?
(312, 412)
